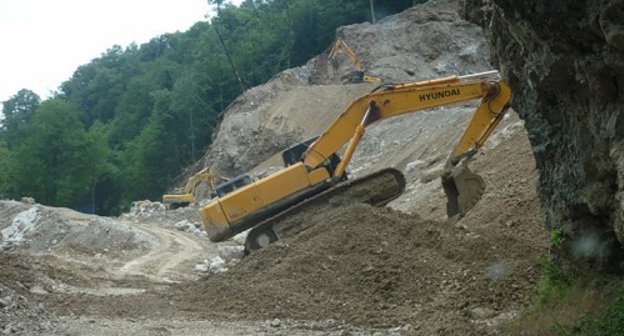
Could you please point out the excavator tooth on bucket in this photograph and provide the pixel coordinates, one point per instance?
(463, 190)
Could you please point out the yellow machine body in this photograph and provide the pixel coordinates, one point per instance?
(253, 205)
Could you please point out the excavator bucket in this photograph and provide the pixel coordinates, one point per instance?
(463, 190)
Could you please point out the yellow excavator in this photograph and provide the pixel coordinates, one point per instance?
(314, 175)
(184, 196)
(358, 75)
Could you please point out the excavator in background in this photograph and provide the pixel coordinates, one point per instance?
(314, 176)
(186, 195)
(358, 75)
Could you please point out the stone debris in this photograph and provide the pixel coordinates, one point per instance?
(28, 200)
(240, 238)
(228, 256)
(21, 316)
(229, 253)
(214, 265)
(145, 208)
(22, 224)
(190, 227)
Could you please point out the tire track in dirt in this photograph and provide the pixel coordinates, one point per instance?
(169, 260)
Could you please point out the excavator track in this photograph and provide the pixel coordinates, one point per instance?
(376, 189)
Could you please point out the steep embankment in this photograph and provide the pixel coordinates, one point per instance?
(565, 61)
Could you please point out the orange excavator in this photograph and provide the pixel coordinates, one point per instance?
(313, 175)
(184, 196)
(358, 75)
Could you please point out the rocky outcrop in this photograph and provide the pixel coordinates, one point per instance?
(565, 63)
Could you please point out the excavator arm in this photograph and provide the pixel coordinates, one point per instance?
(463, 188)
(394, 100)
(358, 75)
(339, 44)
(186, 195)
(203, 175)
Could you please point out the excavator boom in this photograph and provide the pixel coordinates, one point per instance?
(275, 206)
(388, 101)
(358, 75)
(463, 188)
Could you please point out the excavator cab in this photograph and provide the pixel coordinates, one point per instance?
(357, 77)
(233, 184)
(293, 154)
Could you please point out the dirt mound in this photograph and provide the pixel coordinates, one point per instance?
(384, 268)
(23, 282)
(376, 267)
(37, 228)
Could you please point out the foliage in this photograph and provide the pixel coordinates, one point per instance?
(571, 304)
(125, 124)
(4, 170)
(556, 238)
(99, 167)
(152, 157)
(55, 162)
(608, 322)
(18, 112)
(555, 281)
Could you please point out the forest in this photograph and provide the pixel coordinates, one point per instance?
(126, 125)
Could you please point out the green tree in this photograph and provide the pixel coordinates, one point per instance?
(96, 88)
(4, 170)
(135, 105)
(53, 163)
(152, 157)
(18, 112)
(99, 164)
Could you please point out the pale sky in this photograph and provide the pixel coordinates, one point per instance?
(43, 42)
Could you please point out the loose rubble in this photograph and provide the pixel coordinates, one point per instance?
(228, 256)
(21, 316)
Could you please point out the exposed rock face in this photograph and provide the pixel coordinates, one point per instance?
(565, 63)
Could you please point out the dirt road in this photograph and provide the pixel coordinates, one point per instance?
(169, 259)
(89, 289)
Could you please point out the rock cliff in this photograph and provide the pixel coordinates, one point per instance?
(565, 63)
